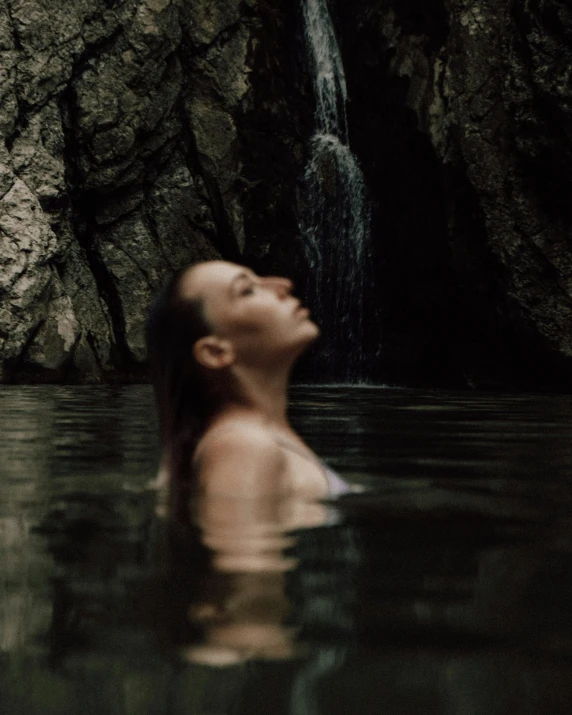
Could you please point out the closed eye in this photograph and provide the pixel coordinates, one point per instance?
(242, 284)
(248, 289)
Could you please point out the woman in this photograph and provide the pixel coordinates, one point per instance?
(222, 341)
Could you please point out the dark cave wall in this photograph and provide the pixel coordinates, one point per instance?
(460, 115)
(274, 126)
(140, 135)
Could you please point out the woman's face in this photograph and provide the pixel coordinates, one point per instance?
(259, 316)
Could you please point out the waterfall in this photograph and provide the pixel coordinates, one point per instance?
(335, 224)
(327, 70)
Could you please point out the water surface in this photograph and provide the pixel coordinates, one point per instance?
(445, 588)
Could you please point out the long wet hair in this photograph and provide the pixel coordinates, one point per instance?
(184, 401)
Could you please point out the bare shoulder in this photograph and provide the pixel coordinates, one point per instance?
(244, 438)
(240, 458)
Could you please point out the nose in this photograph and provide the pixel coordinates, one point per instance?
(282, 286)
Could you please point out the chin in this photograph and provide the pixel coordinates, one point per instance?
(311, 333)
(316, 329)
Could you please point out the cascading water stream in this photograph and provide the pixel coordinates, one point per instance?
(336, 222)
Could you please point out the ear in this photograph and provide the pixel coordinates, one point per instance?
(213, 352)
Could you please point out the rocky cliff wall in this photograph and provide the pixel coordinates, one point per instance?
(138, 136)
(461, 115)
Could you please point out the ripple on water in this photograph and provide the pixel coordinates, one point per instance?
(445, 588)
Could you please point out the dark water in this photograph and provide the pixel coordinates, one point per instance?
(446, 588)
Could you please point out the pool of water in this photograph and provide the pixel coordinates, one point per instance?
(445, 587)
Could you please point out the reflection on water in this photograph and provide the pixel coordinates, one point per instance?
(251, 546)
(445, 588)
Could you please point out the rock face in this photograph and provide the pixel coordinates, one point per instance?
(461, 115)
(132, 143)
(140, 135)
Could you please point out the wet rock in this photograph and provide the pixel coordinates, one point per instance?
(27, 246)
(56, 338)
(461, 115)
(204, 22)
(124, 156)
(141, 135)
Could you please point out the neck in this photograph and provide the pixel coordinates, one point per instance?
(262, 392)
